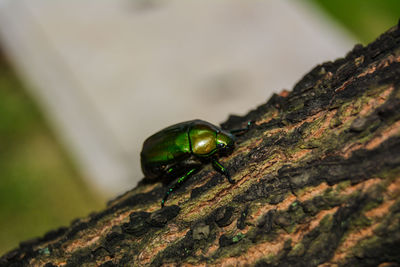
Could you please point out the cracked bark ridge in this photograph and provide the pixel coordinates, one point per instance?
(317, 184)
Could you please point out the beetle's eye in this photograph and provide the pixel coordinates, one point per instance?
(220, 145)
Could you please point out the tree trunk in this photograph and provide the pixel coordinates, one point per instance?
(317, 183)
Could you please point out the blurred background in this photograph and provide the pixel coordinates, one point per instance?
(82, 84)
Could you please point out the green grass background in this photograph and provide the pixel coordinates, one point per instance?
(40, 187)
(365, 19)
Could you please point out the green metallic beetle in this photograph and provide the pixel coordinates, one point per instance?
(182, 149)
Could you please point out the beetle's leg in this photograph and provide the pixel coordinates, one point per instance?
(177, 184)
(219, 167)
(242, 130)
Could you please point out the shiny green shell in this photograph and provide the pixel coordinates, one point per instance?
(181, 145)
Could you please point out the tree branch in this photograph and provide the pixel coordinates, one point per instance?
(317, 183)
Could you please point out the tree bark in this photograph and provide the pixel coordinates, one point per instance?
(317, 183)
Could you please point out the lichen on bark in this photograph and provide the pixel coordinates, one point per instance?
(318, 182)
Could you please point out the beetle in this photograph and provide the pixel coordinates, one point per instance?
(180, 150)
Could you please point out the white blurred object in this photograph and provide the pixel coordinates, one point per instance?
(110, 73)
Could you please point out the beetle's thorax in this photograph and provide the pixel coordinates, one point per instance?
(202, 140)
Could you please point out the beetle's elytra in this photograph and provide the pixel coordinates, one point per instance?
(182, 149)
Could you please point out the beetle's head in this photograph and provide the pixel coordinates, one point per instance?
(225, 142)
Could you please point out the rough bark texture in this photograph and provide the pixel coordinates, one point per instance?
(318, 183)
